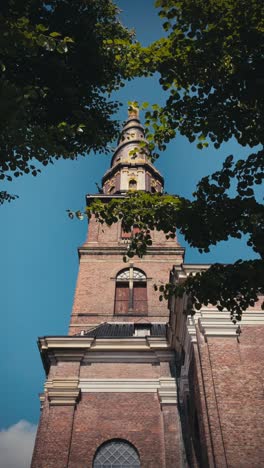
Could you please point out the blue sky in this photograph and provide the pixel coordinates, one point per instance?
(39, 260)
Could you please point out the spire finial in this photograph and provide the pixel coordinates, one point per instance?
(133, 110)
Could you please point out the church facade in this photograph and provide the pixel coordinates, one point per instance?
(138, 382)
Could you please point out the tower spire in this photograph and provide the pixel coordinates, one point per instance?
(133, 111)
(131, 168)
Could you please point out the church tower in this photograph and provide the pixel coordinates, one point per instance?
(110, 397)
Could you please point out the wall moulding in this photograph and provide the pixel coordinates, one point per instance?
(62, 392)
(166, 387)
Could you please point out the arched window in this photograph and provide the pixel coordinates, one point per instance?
(132, 184)
(131, 291)
(116, 453)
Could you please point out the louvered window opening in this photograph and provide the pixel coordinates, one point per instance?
(127, 235)
(116, 454)
(131, 292)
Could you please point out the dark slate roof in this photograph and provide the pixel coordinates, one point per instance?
(117, 330)
(111, 330)
(158, 329)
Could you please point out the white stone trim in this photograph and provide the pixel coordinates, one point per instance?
(67, 391)
(167, 391)
(62, 392)
(110, 250)
(249, 317)
(59, 342)
(213, 323)
(100, 344)
(41, 400)
(149, 357)
(165, 386)
(90, 350)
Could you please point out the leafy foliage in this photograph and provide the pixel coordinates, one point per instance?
(6, 197)
(55, 70)
(211, 64)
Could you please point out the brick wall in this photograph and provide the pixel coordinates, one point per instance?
(95, 289)
(111, 235)
(126, 370)
(52, 446)
(232, 406)
(69, 436)
(100, 417)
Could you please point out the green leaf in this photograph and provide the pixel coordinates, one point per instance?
(68, 39)
(41, 28)
(55, 34)
(166, 25)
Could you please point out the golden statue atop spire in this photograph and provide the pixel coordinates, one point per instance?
(133, 110)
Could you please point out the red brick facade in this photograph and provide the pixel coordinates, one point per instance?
(229, 398)
(136, 418)
(73, 427)
(121, 386)
(220, 384)
(185, 392)
(73, 436)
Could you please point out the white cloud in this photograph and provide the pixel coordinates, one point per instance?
(16, 445)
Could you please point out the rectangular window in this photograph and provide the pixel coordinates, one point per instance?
(122, 298)
(140, 297)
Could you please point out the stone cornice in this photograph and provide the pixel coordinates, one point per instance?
(48, 342)
(122, 248)
(70, 343)
(101, 196)
(152, 357)
(72, 348)
(213, 323)
(125, 344)
(126, 164)
(181, 272)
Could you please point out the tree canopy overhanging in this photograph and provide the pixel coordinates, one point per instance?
(211, 62)
(56, 68)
